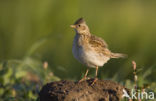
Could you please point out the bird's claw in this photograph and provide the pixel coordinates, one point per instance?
(84, 78)
(94, 81)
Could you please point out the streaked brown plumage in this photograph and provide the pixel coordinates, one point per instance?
(90, 49)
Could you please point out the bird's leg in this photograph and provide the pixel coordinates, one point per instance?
(85, 76)
(96, 73)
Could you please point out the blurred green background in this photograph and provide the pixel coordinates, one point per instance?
(35, 31)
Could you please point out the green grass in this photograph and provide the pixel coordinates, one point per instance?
(21, 80)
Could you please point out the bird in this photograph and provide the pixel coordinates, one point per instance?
(89, 49)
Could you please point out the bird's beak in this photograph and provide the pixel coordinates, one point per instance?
(73, 26)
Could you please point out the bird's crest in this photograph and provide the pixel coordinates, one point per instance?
(79, 21)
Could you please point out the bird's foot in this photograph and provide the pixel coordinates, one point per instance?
(94, 81)
(84, 78)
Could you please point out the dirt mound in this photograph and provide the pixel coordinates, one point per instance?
(102, 90)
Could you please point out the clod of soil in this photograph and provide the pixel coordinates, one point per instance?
(102, 90)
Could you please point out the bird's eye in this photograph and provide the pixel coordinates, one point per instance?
(79, 25)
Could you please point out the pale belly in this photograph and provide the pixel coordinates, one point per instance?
(89, 58)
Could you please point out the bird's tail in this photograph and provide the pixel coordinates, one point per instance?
(118, 55)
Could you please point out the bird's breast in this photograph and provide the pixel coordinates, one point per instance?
(79, 48)
(85, 54)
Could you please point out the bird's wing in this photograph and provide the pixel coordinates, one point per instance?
(99, 45)
(97, 41)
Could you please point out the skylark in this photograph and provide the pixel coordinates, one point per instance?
(89, 49)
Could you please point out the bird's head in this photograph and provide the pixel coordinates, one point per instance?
(80, 26)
